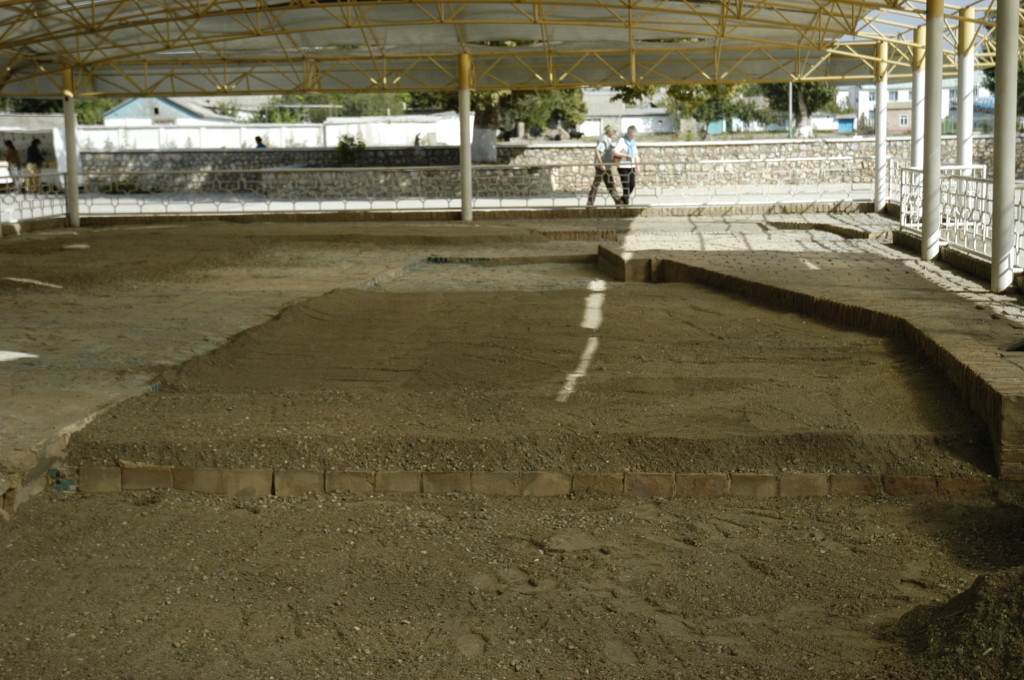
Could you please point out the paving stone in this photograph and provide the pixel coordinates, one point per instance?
(545, 483)
(350, 481)
(649, 484)
(399, 481)
(1012, 470)
(855, 485)
(147, 477)
(609, 483)
(248, 483)
(963, 486)
(701, 485)
(908, 485)
(797, 484)
(447, 482)
(496, 483)
(199, 480)
(99, 479)
(753, 485)
(298, 482)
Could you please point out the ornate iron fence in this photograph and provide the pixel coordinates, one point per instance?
(25, 197)
(965, 199)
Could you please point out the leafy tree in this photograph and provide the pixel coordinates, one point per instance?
(703, 103)
(316, 108)
(226, 109)
(541, 107)
(503, 109)
(88, 110)
(988, 81)
(808, 97)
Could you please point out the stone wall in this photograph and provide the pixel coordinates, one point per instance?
(546, 168)
(440, 182)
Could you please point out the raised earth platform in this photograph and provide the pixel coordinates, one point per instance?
(973, 337)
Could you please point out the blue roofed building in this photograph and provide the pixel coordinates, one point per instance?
(163, 111)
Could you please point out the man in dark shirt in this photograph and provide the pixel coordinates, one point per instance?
(33, 164)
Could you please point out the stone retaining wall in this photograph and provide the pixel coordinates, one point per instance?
(563, 167)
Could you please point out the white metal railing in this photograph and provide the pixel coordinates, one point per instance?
(965, 199)
(25, 197)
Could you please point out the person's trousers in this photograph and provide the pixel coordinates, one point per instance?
(32, 177)
(628, 177)
(606, 177)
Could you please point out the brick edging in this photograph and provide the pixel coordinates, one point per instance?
(269, 482)
(976, 375)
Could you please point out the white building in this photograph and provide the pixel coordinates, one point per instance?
(601, 111)
(901, 102)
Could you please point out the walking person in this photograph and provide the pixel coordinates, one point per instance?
(627, 158)
(13, 164)
(33, 165)
(604, 156)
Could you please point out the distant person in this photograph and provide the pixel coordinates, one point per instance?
(604, 156)
(260, 144)
(13, 163)
(33, 164)
(627, 158)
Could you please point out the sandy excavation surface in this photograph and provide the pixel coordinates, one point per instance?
(465, 367)
(456, 366)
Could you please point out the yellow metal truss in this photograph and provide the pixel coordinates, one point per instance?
(206, 47)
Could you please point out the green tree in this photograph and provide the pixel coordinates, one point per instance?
(703, 103)
(226, 109)
(316, 108)
(88, 110)
(502, 109)
(808, 97)
(988, 81)
(539, 108)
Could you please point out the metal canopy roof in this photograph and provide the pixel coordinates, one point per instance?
(208, 47)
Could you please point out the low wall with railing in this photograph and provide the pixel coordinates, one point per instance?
(679, 164)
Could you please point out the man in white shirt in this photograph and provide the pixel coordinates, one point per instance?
(604, 156)
(627, 158)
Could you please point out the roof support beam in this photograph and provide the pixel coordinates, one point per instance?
(965, 89)
(917, 93)
(931, 207)
(71, 149)
(881, 124)
(466, 136)
(1005, 142)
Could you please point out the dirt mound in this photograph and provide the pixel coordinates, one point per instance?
(977, 634)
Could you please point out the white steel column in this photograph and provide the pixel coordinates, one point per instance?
(1005, 142)
(965, 89)
(881, 125)
(931, 208)
(466, 137)
(71, 149)
(917, 98)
